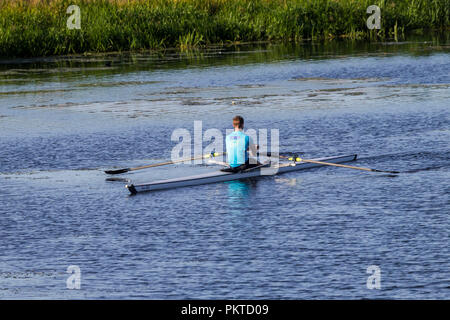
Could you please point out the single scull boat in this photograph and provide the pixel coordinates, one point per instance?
(220, 176)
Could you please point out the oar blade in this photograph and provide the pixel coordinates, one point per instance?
(118, 171)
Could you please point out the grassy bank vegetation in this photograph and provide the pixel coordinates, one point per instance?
(38, 27)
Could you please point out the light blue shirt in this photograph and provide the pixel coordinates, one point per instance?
(237, 145)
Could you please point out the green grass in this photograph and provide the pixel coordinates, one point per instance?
(39, 28)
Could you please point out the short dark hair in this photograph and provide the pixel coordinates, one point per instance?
(238, 120)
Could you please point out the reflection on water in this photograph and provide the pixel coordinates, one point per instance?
(288, 182)
(238, 196)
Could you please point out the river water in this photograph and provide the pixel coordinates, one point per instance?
(302, 235)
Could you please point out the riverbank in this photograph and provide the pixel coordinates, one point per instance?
(40, 28)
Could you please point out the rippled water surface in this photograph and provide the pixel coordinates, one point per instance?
(302, 235)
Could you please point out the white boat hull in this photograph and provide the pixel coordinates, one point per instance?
(219, 176)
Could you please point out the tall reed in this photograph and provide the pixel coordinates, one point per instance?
(38, 27)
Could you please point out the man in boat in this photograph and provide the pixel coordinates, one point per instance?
(238, 146)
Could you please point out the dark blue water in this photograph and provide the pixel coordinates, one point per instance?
(302, 235)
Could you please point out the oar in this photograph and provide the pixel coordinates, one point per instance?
(118, 171)
(298, 159)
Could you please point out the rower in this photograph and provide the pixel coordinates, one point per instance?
(238, 147)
